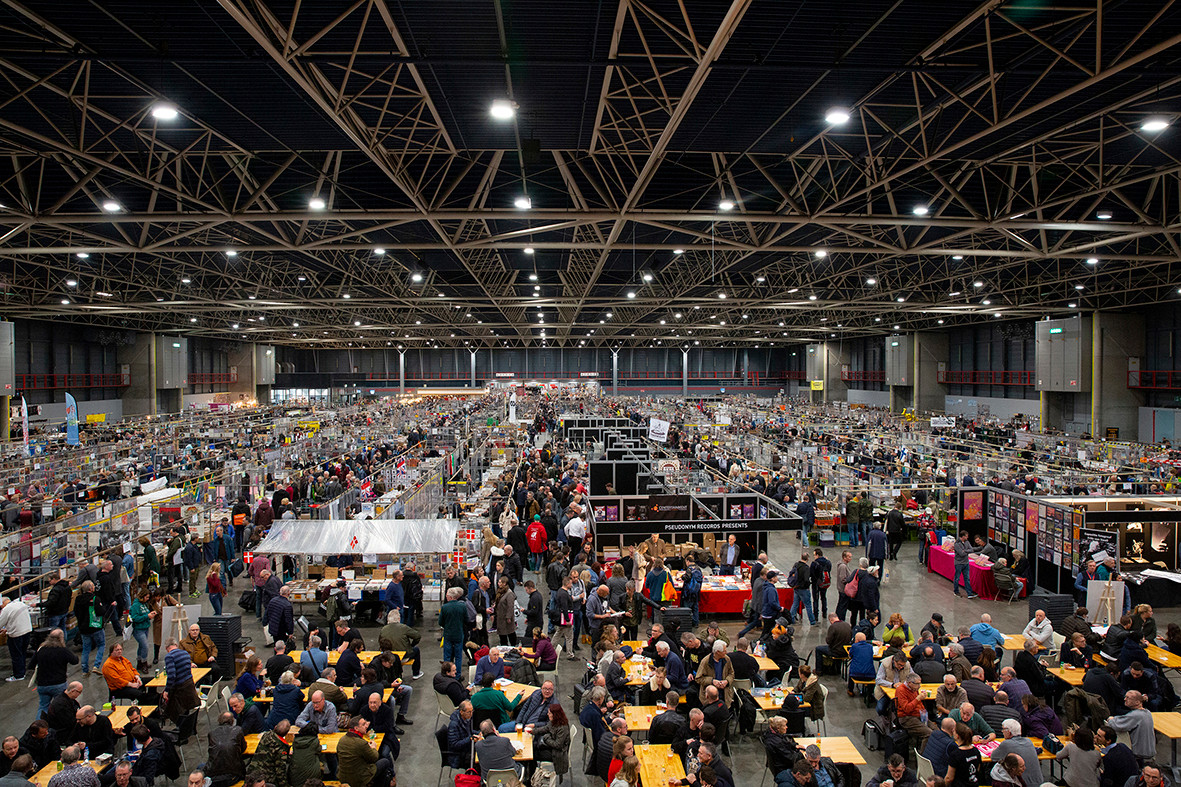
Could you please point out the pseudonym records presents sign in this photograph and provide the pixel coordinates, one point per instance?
(634, 526)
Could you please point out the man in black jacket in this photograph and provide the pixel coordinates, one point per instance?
(412, 590)
(446, 683)
(62, 714)
(57, 605)
(41, 743)
(895, 772)
(108, 593)
(668, 726)
(227, 748)
(1104, 682)
(782, 752)
(513, 568)
(93, 731)
(534, 612)
(1078, 622)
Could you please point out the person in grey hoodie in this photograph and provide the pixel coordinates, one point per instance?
(963, 555)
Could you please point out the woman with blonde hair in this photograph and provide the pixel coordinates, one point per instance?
(214, 587)
(629, 773)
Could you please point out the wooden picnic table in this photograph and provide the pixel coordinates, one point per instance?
(161, 680)
(41, 778)
(118, 717)
(328, 742)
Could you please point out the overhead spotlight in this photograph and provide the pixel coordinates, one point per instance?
(503, 109)
(957, 257)
(1078, 286)
(631, 294)
(1073, 305)
(302, 278)
(836, 116)
(82, 255)
(317, 203)
(920, 210)
(357, 323)
(953, 293)
(760, 279)
(726, 205)
(71, 282)
(722, 295)
(294, 325)
(523, 202)
(986, 302)
(896, 327)
(821, 254)
(186, 280)
(977, 284)
(110, 206)
(252, 297)
(163, 110)
(871, 281)
(940, 322)
(812, 297)
(1103, 215)
(677, 315)
(608, 315)
(379, 251)
(1092, 260)
(662, 322)
(678, 251)
(1154, 125)
(416, 277)
(901, 299)
(346, 296)
(192, 319)
(996, 314)
(877, 319)
(65, 301)
(535, 294)
(529, 250)
(234, 326)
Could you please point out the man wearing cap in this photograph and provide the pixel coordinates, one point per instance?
(935, 626)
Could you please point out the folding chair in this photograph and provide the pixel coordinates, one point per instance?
(446, 706)
(544, 675)
(507, 777)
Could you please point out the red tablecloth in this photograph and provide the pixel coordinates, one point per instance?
(942, 561)
(729, 602)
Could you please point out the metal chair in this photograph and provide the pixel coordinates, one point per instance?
(822, 721)
(743, 683)
(471, 674)
(1007, 586)
(446, 706)
(925, 768)
(506, 777)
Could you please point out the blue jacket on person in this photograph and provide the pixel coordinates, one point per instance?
(394, 598)
(876, 544)
(674, 670)
(459, 740)
(861, 660)
(807, 512)
(288, 703)
(986, 634)
(770, 607)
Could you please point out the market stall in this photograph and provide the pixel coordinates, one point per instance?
(941, 561)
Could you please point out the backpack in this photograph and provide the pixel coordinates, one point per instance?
(852, 585)
(471, 611)
(693, 583)
(748, 710)
(825, 581)
(544, 776)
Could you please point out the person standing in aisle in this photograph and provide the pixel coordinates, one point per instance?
(877, 548)
(853, 518)
(17, 623)
(821, 580)
(895, 529)
(214, 587)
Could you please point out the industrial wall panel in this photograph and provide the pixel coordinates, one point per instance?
(1063, 355)
(899, 359)
(264, 364)
(172, 361)
(7, 359)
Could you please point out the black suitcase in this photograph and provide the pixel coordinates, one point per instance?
(896, 742)
(874, 735)
(676, 620)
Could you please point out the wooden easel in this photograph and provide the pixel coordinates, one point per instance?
(180, 620)
(1105, 614)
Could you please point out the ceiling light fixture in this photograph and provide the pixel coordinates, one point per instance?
(986, 302)
(901, 299)
(977, 284)
(726, 205)
(186, 280)
(65, 301)
(523, 202)
(920, 210)
(647, 277)
(760, 279)
(529, 250)
(416, 277)
(895, 327)
(1078, 286)
(82, 255)
(1154, 125)
(1073, 305)
(836, 116)
(678, 251)
(821, 254)
(503, 109)
(1103, 215)
(317, 203)
(71, 282)
(379, 251)
(192, 319)
(871, 281)
(110, 206)
(631, 294)
(165, 111)
(957, 257)
(1092, 260)
(346, 296)
(953, 293)
(722, 295)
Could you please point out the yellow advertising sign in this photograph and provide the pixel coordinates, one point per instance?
(96, 418)
(308, 426)
(818, 385)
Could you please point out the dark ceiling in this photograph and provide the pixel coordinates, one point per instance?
(1018, 126)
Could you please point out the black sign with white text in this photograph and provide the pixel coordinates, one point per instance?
(669, 526)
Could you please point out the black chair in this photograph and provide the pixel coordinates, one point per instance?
(480, 714)
(444, 752)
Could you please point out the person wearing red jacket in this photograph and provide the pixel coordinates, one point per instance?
(536, 536)
(908, 702)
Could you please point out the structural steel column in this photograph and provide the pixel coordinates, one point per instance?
(473, 354)
(685, 373)
(402, 372)
(615, 372)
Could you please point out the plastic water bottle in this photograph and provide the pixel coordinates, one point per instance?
(86, 754)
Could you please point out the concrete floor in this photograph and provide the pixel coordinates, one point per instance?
(909, 590)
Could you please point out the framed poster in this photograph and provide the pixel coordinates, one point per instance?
(1031, 517)
(974, 505)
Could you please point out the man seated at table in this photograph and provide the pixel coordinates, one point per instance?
(278, 663)
(314, 660)
(1137, 722)
(22, 770)
(935, 626)
(669, 725)
(494, 751)
(93, 731)
(939, 746)
(999, 711)
(1016, 743)
(489, 698)
(42, 743)
(227, 748)
(836, 639)
(908, 703)
(1075, 651)
(1077, 621)
(122, 775)
(248, 717)
(950, 695)
(489, 664)
(1040, 630)
(981, 729)
(591, 716)
(326, 683)
(10, 749)
(895, 773)
(447, 684)
(781, 747)
(151, 755)
(122, 679)
(533, 709)
(1013, 687)
(135, 718)
(381, 722)
(74, 772)
(617, 678)
(986, 634)
(460, 736)
(892, 672)
(655, 636)
(320, 713)
(360, 764)
(345, 634)
(746, 666)
(674, 667)
(929, 665)
(202, 652)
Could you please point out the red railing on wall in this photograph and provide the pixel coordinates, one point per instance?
(863, 377)
(47, 382)
(986, 378)
(1166, 380)
(212, 378)
(673, 378)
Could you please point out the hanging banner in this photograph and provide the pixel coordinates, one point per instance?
(71, 420)
(658, 430)
(25, 424)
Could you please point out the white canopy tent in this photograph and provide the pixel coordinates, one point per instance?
(362, 536)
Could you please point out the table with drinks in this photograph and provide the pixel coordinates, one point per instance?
(268, 693)
(161, 679)
(118, 715)
(41, 778)
(659, 765)
(328, 741)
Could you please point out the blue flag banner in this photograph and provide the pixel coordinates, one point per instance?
(71, 420)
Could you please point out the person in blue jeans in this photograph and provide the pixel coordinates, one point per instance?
(89, 613)
(801, 582)
(963, 556)
(141, 623)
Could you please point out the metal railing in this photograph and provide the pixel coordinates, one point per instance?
(47, 382)
(863, 377)
(1163, 380)
(964, 377)
(212, 378)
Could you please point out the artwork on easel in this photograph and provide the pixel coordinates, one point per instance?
(1105, 600)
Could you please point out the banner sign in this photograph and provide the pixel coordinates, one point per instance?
(71, 420)
(817, 385)
(633, 527)
(658, 430)
(96, 418)
(943, 422)
(668, 507)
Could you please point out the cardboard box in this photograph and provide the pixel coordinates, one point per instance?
(709, 542)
